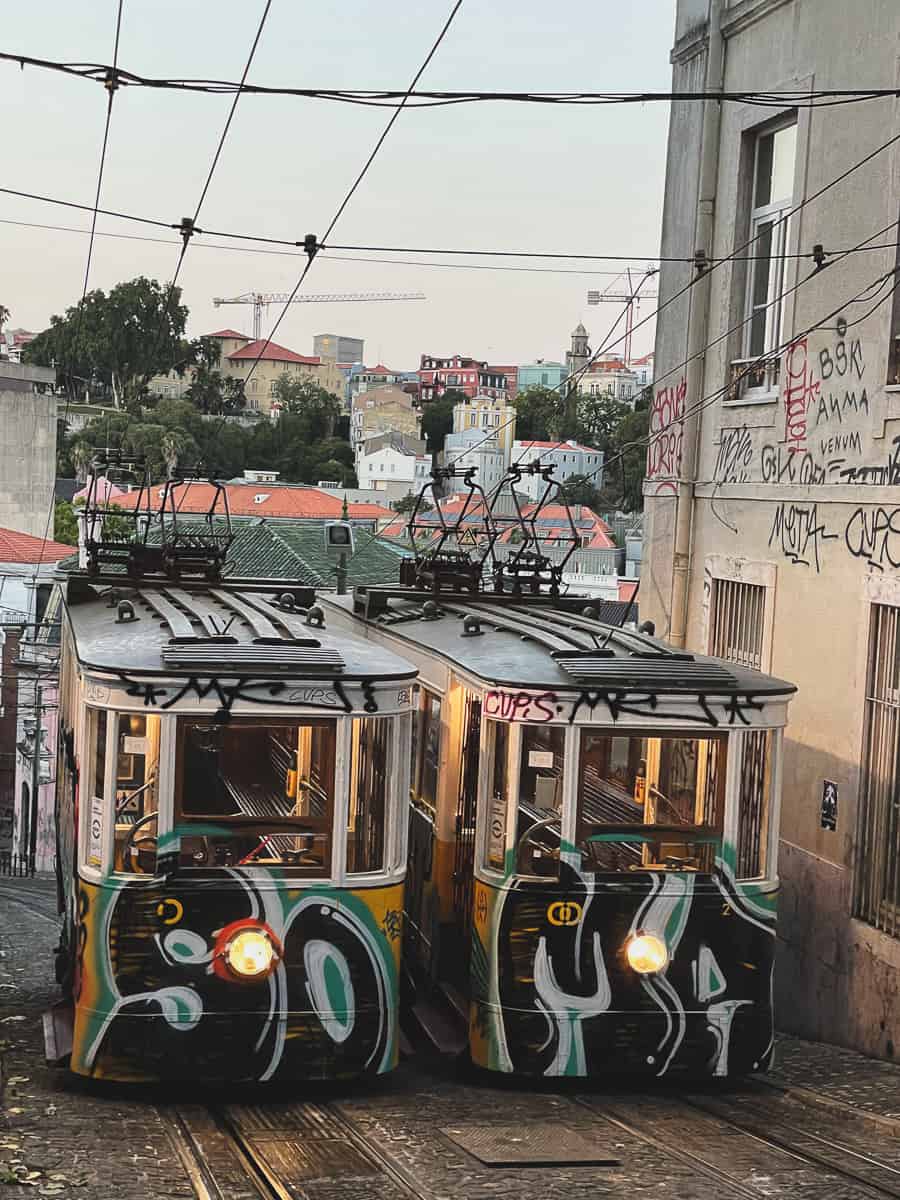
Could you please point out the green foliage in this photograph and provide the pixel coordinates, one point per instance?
(599, 417)
(210, 391)
(541, 414)
(65, 525)
(301, 397)
(408, 502)
(120, 340)
(581, 489)
(4, 315)
(437, 419)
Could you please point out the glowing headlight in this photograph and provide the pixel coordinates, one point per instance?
(250, 953)
(646, 954)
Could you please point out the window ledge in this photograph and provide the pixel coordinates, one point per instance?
(751, 398)
(892, 387)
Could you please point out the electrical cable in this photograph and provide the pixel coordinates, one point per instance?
(96, 72)
(111, 85)
(324, 248)
(314, 244)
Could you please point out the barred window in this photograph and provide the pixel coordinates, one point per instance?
(878, 866)
(737, 622)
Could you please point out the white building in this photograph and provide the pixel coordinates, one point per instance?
(610, 377)
(393, 470)
(470, 448)
(567, 459)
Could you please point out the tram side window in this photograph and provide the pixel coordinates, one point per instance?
(754, 803)
(263, 789)
(136, 792)
(427, 750)
(498, 796)
(369, 783)
(650, 803)
(94, 813)
(539, 820)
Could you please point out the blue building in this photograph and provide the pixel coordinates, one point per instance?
(541, 374)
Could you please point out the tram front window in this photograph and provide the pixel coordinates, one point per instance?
(538, 829)
(260, 791)
(650, 803)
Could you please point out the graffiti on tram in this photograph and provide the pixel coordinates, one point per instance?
(146, 951)
(553, 995)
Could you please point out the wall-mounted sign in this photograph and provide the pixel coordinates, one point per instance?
(829, 804)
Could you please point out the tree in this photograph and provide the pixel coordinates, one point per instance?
(210, 391)
(581, 489)
(4, 315)
(121, 339)
(303, 397)
(437, 420)
(598, 419)
(540, 415)
(65, 523)
(408, 502)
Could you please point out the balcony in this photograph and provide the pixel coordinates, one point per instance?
(753, 379)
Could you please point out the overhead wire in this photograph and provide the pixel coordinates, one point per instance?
(325, 248)
(111, 85)
(314, 245)
(378, 97)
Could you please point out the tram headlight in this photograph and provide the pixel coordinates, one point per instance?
(246, 950)
(647, 954)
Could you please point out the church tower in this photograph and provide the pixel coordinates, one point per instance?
(580, 353)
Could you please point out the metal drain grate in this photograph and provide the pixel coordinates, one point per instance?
(532, 1144)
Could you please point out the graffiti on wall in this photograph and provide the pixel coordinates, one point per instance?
(666, 436)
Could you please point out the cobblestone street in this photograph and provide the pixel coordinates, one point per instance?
(826, 1122)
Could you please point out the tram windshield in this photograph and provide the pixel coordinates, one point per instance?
(136, 773)
(649, 803)
(255, 792)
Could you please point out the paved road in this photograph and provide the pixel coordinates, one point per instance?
(426, 1132)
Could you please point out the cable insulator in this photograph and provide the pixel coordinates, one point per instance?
(111, 79)
(819, 256)
(311, 245)
(187, 229)
(701, 262)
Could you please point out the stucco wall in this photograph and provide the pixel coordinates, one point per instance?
(27, 460)
(802, 489)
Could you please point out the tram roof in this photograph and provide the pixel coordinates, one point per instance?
(543, 642)
(256, 627)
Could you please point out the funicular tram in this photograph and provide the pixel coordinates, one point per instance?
(594, 816)
(231, 817)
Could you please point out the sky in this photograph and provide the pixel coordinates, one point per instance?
(490, 176)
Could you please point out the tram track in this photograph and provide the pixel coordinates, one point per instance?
(281, 1151)
(730, 1129)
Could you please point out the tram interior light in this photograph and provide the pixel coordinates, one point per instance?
(250, 953)
(647, 954)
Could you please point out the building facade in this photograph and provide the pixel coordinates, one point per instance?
(467, 375)
(541, 374)
(567, 458)
(774, 458)
(470, 449)
(339, 348)
(491, 417)
(383, 410)
(393, 470)
(610, 377)
(27, 446)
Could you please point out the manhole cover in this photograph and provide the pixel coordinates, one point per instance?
(536, 1144)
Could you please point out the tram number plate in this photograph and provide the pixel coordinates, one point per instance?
(564, 912)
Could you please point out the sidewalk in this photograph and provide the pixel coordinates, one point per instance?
(838, 1078)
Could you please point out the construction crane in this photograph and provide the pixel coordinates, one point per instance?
(631, 298)
(262, 300)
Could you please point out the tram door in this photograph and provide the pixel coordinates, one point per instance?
(464, 854)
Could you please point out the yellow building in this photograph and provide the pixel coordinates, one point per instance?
(494, 417)
(239, 355)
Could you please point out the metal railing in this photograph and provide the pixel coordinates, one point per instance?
(16, 865)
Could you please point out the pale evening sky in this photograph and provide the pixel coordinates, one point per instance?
(513, 176)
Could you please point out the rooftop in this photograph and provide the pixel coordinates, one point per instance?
(273, 353)
(265, 499)
(18, 547)
(229, 333)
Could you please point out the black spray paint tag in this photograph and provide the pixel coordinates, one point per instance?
(829, 804)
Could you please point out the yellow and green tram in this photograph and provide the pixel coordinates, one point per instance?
(593, 834)
(232, 796)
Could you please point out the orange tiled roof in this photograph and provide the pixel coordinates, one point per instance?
(280, 500)
(18, 547)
